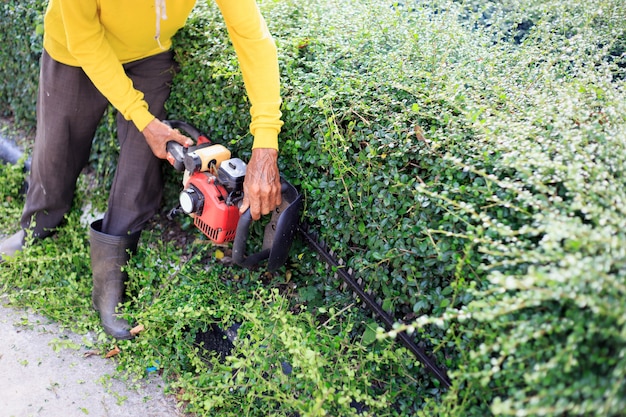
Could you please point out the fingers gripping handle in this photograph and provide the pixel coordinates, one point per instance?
(175, 151)
(190, 130)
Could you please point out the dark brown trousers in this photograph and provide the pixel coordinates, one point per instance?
(69, 109)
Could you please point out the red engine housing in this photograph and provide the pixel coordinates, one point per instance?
(212, 215)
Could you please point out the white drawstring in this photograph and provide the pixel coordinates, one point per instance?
(161, 14)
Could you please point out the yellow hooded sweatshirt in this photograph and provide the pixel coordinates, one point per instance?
(101, 35)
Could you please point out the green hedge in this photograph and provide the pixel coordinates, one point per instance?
(20, 34)
(465, 157)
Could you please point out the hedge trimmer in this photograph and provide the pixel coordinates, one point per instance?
(213, 189)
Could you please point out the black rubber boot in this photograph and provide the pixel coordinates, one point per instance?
(11, 245)
(108, 255)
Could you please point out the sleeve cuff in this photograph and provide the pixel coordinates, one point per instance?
(265, 138)
(141, 118)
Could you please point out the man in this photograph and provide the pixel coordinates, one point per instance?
(108, 51)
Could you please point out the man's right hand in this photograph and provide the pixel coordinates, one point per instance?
(157, 135)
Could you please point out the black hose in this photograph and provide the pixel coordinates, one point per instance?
(10, 153)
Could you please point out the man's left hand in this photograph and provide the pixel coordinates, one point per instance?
(261, 187)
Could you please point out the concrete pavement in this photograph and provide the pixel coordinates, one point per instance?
(44, 372)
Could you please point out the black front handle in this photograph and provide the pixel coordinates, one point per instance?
(279, 232)
(239, 244)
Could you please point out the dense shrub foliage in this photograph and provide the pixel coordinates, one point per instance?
(21, 28)
(464, 157)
